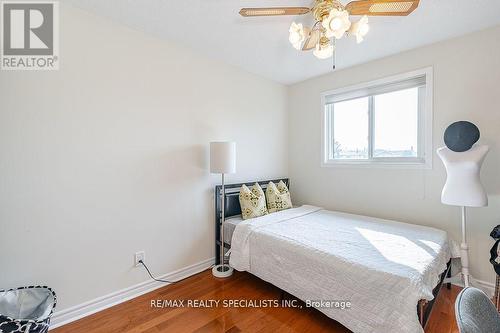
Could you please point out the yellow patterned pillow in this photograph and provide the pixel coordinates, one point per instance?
(278, 197)
(252, 202)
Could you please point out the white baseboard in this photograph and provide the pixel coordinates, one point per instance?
(487, 287)
(85, 309)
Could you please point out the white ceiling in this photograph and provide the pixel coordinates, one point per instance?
(260, 45)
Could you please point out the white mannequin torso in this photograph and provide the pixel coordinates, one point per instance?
(463, 184)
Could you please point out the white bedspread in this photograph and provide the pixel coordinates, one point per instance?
(382, 267)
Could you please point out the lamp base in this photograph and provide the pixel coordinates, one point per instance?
(222, 271)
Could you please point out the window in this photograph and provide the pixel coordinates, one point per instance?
(386, 122)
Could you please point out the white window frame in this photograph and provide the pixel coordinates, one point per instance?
(424, 158)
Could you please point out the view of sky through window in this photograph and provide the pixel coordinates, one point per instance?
(395, 126)
(350, 129)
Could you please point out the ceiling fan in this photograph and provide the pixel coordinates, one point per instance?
(332, 21)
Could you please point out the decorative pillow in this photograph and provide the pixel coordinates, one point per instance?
(278, 197)
(252, 202)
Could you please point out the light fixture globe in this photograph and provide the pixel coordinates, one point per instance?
(337, 23)
(324, 49)
(360, 29)
(297, 35)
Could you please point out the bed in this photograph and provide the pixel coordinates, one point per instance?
(229, 226)
(389, 271)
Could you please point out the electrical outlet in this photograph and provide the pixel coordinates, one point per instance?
(141, 255)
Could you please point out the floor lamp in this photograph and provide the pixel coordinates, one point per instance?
(463, 188)
(222, 161)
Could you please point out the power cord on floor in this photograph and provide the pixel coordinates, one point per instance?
(160, 280)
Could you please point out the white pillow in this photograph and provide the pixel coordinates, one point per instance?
(252, 202)
(278, 197)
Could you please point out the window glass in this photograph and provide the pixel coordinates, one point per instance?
(395, 132)
(350, 129)
(387, 122)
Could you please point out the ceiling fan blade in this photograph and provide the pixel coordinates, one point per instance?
(274, 11)
(382, 7)
(312, 40)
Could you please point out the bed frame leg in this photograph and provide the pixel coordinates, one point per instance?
(448, 275)
(421, 312)
(282, 295)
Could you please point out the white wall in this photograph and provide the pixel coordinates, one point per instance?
(466, 87)
(109, 155)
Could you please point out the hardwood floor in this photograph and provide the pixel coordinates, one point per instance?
(442, 319)
(137, 315)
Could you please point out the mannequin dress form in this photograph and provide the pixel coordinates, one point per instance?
(463, 188)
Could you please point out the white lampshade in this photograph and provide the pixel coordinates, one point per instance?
(222, 157)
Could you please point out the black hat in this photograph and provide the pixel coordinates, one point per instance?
(461, 135)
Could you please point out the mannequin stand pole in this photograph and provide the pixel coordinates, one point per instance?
(464, 248)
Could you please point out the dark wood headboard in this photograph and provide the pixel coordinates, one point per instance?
(232, 206)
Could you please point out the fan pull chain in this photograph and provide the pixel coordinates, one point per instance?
(334, 53)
